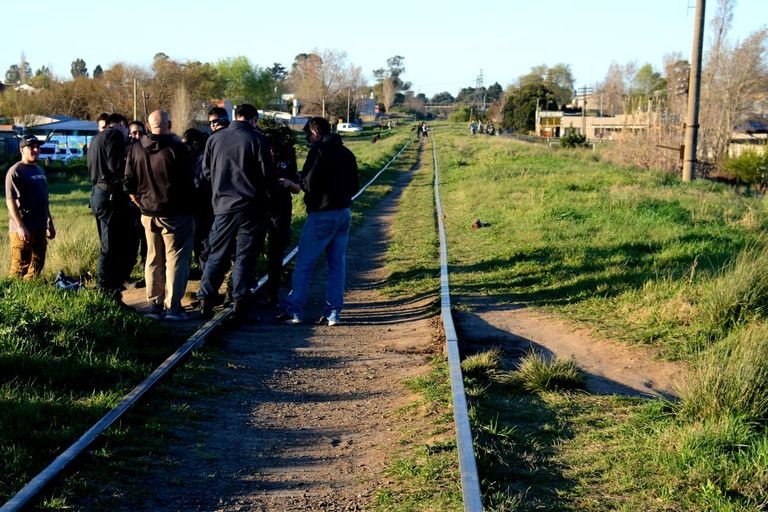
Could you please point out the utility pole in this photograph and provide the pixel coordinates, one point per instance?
(584, 91)
(692, 117)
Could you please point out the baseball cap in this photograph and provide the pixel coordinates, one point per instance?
(29, 140)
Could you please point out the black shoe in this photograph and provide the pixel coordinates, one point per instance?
(241, 313)
(206, 309)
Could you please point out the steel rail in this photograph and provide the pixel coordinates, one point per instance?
(470, 482)
(36, 485)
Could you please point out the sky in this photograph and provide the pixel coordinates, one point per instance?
(446, 45)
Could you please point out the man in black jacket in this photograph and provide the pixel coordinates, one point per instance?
(111, 207)
(329, 179)
(238, 162)
(159, 179)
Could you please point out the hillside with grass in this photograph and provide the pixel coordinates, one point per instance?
(637, 256)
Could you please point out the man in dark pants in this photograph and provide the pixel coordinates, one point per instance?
(238, 162)
(111, 207)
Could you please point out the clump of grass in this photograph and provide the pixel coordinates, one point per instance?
(739, 294)
(483, 364)
(539, 373)
(731, 378)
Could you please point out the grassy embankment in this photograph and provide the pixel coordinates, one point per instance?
(637, 256)
(67, 358)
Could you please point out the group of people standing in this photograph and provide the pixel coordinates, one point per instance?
(217, 197)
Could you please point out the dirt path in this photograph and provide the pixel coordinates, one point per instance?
(611, 367)
(306, 420)
(302, 416)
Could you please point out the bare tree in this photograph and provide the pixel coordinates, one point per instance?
(735, 72)
(182, 109)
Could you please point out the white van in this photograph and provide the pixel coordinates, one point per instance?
(348, 127)
(51, 152)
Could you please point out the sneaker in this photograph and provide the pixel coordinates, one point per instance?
(156, 312)
(288, 318)
(334, 318)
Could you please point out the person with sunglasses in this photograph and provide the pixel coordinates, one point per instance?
(218, 119)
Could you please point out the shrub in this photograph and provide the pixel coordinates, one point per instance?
(573, 139)
(751, 168)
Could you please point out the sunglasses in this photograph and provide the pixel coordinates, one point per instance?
(215, 122)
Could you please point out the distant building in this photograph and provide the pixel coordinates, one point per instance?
(68, 132)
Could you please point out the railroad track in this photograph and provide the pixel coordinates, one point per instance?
(470, 483)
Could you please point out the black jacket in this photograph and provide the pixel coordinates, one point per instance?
(159, 170)
(329, 177)
(238, 162)
(106, 158)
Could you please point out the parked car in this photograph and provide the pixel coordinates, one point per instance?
(51, 152)
(348, 127)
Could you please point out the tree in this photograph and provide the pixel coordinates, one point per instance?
(243, 82)
(734, 74)
(78, 68)
(466, 95)
(612, 90)
(323, 83)
(558, 79)
(43, 78)
(97, 72)
(442, 98)
(278, 72)
(182, 109)
(519, 111)
(389, 81)
(13, 76)
(494, 92)
(647, 81)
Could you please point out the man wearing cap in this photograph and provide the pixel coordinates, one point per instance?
(29, 217)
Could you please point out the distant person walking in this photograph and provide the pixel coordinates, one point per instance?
(240, 167)
(423, 130)
(30, 224)
(112, 208)
(329, 179)
(159, 179)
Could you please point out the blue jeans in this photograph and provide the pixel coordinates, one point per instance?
(323, 231)
(241, 232)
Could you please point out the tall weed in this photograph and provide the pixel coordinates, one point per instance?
(739, 293)
(731, 378)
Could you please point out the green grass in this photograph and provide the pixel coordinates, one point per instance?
(423, 467)
(67, 358)
(637, 256)
(587, 240)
